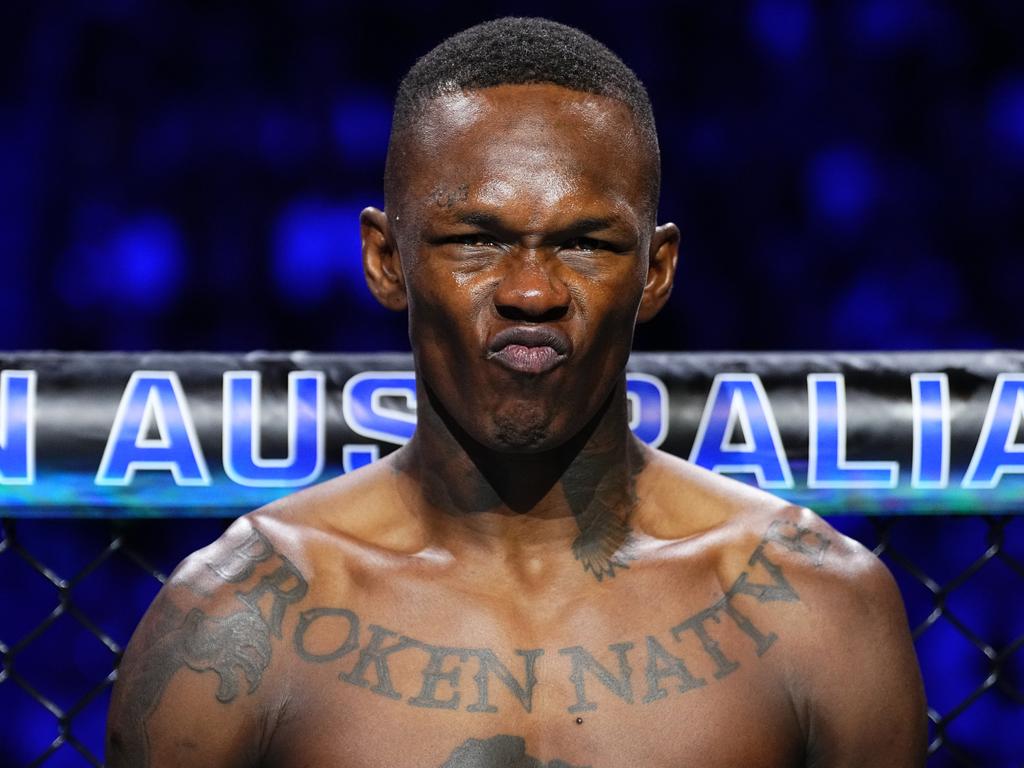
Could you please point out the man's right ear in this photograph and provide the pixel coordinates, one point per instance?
(381, 263)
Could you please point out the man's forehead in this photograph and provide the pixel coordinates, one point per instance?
(514, 106)
(539, 208)
(497, 144)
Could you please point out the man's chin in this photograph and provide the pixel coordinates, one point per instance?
(524, 427)
(514, 436)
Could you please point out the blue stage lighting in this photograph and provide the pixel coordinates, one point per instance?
(143, 264)
(317, 252)
(888, 22)
(781, 27)
(841, 185)
(1006, 119)
(361, 126)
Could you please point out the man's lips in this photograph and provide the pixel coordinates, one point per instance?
(529, 349)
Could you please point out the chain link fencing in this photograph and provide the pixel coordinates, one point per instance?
(72, 591)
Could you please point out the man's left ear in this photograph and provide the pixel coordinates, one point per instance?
(661, 271)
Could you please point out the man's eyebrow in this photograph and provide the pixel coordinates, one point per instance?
(480, 219)
(593, 224)
(493, 222)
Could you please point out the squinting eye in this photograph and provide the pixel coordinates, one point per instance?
(477, 239)
(583, 244)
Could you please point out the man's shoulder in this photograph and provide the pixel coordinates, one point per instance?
(335, 523)
(824, 604)
(227, 610)
(680, 499)
(743, 530)
(355, 503)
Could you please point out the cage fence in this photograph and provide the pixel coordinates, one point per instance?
(72, 591)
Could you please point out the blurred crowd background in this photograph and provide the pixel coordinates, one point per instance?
(188, 175)
(182, 175)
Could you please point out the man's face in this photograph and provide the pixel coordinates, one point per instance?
(524, 230)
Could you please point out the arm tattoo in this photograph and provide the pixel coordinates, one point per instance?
(233, 647)
(236, 647)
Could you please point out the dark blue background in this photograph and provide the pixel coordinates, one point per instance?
(188, 176)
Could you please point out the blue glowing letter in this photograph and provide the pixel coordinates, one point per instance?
(738, 400)
(827, 466)
(306, 417)
(362, 403)
(931, 430)
(998, 452)
(648, 407)
(153, 399)
(17, 427)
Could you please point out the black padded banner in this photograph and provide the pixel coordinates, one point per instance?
(116, 434)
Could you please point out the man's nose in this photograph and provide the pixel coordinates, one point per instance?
(531, 289)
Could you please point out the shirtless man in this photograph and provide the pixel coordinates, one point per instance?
(524, 584)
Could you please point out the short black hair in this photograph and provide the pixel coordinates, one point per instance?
(518, 51)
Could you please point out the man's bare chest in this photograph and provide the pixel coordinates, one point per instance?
(652, 670)
(441, 684)
(611, 708)
(745, 726)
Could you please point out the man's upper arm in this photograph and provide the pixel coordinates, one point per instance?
(193, 682)
(864, 697)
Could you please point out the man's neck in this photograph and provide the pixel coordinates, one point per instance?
(579, 496)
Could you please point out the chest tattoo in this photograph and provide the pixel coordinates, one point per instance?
(641, 670)
(238, 648)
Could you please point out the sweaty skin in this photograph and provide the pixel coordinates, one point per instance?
(523, 584)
